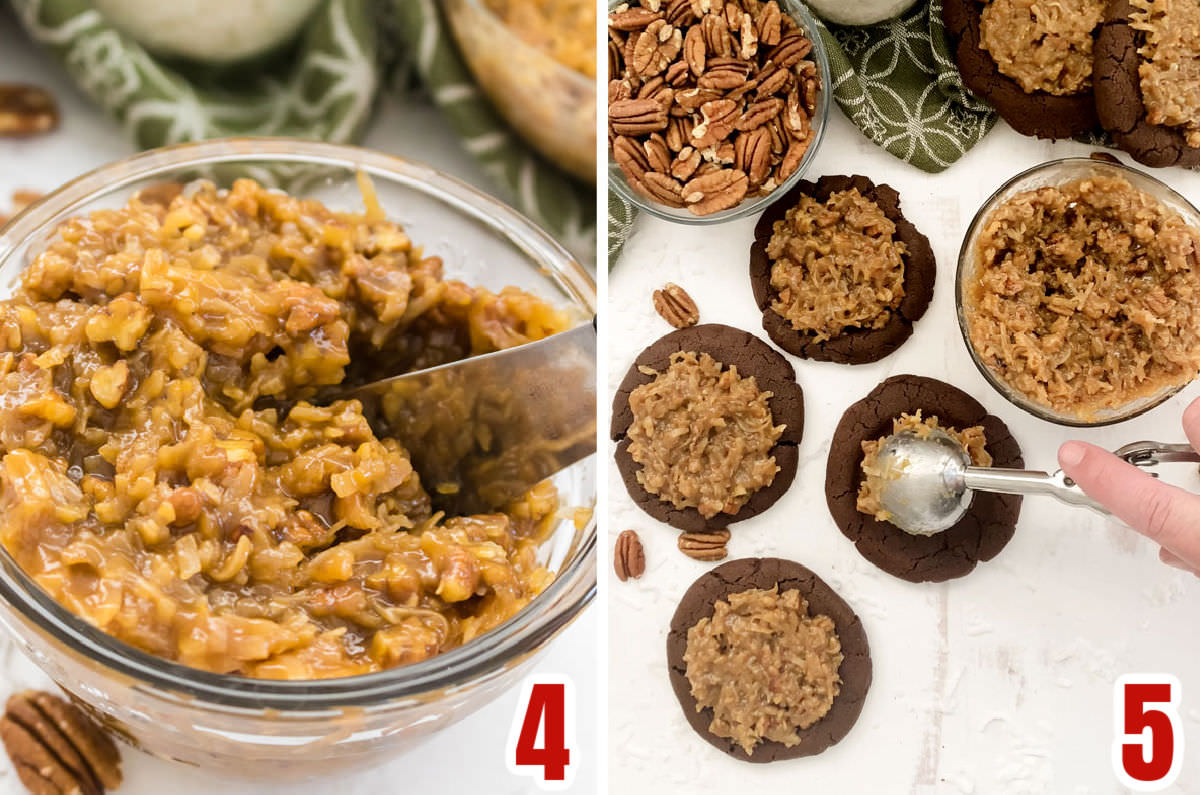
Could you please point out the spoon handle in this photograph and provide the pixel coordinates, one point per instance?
(1029, 481)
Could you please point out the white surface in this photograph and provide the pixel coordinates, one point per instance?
(1000, 682)
(86, 140)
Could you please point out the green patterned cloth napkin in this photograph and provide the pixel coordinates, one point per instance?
(325, 91)
(898, 83)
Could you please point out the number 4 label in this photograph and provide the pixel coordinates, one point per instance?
(545, 713)
(1148, 744)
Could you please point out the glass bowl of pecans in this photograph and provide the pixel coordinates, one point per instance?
(713, 110)
(220, 566)
(1076, 291)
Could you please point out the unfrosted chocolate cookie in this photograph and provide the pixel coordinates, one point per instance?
(1036, 113)
(980, 535)
(853, 345)
(766, 573)
(752, 357)
(1119, 96)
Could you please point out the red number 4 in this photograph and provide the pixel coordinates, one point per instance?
(1148, 748)
(547, 703)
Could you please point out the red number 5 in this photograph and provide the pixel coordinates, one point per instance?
(1148, 749)
(547, 702)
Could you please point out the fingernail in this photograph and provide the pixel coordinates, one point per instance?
(1070, 454)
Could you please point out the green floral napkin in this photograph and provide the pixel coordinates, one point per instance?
(325, 91)
(898, 83)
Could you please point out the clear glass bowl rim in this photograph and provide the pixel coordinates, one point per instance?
(616, 178)
(1137, 408)
(523, 634)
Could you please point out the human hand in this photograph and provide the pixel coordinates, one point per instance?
(1167, 515)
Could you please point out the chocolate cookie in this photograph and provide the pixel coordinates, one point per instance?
(853, 346)
(752, 356)
(765, 573)
(989, 522)
(1038, 113)
(1119, 102)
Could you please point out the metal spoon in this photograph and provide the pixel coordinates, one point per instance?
(928, 480)
(483, 430)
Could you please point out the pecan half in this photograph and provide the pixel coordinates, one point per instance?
(716, 191)
(636, 116)
(675, 306)
(695, 50)
(769, 24)
(26, 110)
(791, 48)
(629, 557)
(656, 47)
(752, 154)
(634, 18)
(723, 74)
(707, 546)
(759, 113)
(661, 188)
(719, 117)
(629, 156)
(686, 162)
(56, 748)
(657, 154)
(679, 12)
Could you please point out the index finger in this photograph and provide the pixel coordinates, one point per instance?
(1165, 514)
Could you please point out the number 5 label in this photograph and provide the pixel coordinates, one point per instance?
(1148, 744)
(547, 703)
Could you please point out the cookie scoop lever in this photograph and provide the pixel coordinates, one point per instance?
(927, 479)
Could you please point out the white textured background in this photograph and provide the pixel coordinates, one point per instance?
(1000, 682)
(86, 140)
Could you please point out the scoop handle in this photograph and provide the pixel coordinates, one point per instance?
(1029, 481)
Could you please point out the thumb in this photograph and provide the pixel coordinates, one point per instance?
(1163, 513)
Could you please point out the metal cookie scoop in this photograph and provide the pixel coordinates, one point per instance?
(928, 480)
(482, 431)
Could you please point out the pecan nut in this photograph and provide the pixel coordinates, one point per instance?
(675, 306)
(718, 118)
(629, 557)
(791, 49)
(634, 18)
(752, 154)
(26, 110)
(636, 116)
(716, 191)
(56, 748)
(656, 47)
(695, 50)
(770, 24)
(706, 546)
(662, 188)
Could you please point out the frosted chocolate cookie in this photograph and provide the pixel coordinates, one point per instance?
(767, 661)
(706, 422)
(1031, 59)
(1147, 74)
(838, 273)
(989, 522)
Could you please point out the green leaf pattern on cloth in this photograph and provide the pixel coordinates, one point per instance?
(327, 93)
(898, 83)
(564, 207)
